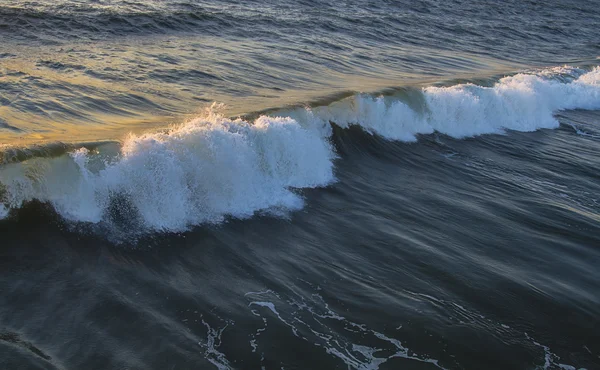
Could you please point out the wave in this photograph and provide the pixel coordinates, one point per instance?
(98, 21)
(214, 167)
(199, 172)
(523, 102)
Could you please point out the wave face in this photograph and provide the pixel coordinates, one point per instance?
(212, 167)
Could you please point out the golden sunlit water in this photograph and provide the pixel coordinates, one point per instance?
(103, 90)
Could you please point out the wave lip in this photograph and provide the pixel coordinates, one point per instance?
(199, 172)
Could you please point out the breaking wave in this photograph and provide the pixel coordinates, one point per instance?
(200, 172)
(523, 102)
(213, 167)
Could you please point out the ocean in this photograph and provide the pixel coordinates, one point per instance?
(190, 184)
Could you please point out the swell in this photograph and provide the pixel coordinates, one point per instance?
(49, 22)
(98, 23)
(212, 167)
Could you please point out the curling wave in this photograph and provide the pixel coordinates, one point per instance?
(214, 167)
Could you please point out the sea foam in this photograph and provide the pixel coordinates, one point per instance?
(199, 172)
(523, 102)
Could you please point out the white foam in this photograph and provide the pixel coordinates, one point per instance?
(393, 120)
(200, 172)
(523, 102)
(213, 342)
(550, 359)
(581, 132)
(312, 314)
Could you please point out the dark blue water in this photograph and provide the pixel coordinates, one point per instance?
(299, 185)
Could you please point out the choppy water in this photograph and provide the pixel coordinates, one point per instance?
(189, 184)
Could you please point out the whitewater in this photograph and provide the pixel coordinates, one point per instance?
(212, 167)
